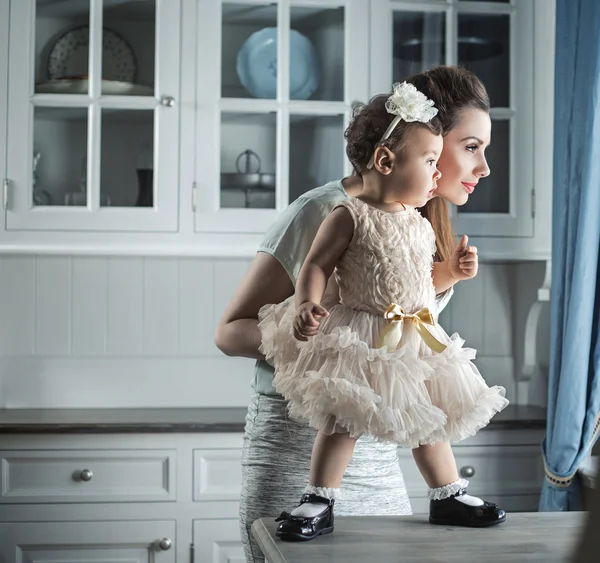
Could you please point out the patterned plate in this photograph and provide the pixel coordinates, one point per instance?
(81, 86)
(69, 56)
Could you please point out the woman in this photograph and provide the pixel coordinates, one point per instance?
(273, 441)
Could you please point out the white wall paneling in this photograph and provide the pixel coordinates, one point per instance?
(133, 332)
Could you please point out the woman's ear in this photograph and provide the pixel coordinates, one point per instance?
(384, 160)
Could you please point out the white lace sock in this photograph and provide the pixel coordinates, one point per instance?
(452, 489)
(311, 509)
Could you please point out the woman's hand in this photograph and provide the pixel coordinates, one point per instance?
(464, 262)
(307, 320)
(266, 281)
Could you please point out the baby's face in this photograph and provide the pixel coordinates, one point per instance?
(415, 176)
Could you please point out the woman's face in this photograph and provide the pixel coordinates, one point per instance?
(462, 162)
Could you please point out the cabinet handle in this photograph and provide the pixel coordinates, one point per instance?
(467, 471)
(168, 101)
(86, 475)
(165, 544)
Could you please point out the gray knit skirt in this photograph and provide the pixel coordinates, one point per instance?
(276, 463)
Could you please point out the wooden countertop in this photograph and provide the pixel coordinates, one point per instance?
(525, 537)
(104, 421)
(159, 420)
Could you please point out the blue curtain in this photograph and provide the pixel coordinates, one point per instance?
(574, 381)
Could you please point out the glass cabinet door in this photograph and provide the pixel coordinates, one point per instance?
(93, 112)
(496, 43)
(494, 40)
(279, 127)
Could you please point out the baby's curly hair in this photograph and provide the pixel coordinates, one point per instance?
(368, 126)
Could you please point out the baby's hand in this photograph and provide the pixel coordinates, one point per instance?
(464, 262)
(307, 319)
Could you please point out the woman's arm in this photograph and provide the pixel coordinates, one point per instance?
(266, 281)
(462, 265)
(442, 277)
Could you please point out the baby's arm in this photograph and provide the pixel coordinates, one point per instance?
(331, 241)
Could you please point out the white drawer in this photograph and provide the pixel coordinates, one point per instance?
(87, 476)
(130, 541)
(217, 474)
(496, 470)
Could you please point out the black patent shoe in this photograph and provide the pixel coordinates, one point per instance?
(302, 528)
(452, 512)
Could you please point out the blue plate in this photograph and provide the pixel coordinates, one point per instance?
(257, 65)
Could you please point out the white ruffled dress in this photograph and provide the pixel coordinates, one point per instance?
(342, 380)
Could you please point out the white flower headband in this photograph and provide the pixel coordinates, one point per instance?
(408, 104)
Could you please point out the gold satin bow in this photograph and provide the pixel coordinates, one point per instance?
(396, 316)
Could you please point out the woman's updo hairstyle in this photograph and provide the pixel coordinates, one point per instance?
(452, 89)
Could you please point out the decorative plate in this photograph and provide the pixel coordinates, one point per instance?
(257, 65)
(69, 56)
(81, 86)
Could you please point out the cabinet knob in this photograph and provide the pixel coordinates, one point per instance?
(86, 475)
(165, 544)
(467, 471)
(168, 101)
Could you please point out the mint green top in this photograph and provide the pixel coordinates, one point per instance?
(289, 239)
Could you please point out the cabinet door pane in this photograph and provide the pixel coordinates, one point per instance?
(127, 163)
(248, 160)
(126, 57)
(129, 47)
(316, 53)
(492, 194)
(59, 156)
(419, 42)
(484, 47)
(249, 51)
(62, 37)
(316, 151)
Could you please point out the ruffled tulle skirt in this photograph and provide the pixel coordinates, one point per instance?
(340, 381)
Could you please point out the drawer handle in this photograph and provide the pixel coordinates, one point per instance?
(165, 544)
(86, 475)
(467, 471)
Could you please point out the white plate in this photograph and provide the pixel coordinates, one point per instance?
(257, 65)
(69, 56)
(109, 88)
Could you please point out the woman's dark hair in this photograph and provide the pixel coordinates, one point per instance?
(452, 89)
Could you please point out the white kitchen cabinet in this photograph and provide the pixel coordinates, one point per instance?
(139, 542)
(197, 521)
(4, 13)
(218, 540)
(192, 162)
(509, 45)
(259, 148)
(93, 115)
(138, 496)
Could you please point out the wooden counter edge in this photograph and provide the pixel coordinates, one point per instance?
(266, 543)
